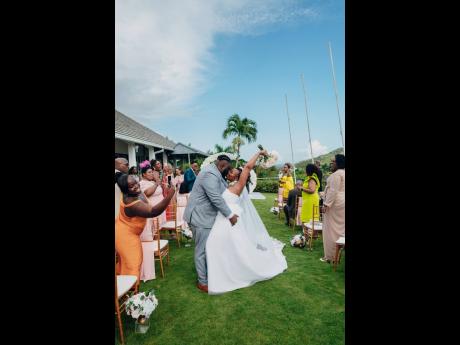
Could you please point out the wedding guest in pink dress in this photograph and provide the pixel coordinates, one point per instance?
(181, 198)
(150, 185)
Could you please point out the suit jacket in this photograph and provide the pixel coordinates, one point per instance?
(206, 199)
(291, 201)
(189, 179)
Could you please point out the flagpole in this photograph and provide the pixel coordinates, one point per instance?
(290, 137)
(306, 114)
(336, 96)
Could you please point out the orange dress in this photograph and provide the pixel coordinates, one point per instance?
(128, 242)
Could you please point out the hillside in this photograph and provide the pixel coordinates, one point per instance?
(324, 159)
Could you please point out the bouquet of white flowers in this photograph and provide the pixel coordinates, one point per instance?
(268, 162)
(298, 241)
(141, 305)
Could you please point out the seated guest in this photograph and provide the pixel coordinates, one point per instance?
(289, 208)
(134, 211)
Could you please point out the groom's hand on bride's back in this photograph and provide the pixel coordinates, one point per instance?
(233, 219)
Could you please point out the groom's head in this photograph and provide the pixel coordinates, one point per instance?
(223, 164)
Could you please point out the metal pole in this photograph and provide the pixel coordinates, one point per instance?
(336, 96)
(306, 114)
(290, 136)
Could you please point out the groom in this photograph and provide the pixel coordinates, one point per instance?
(204, 202)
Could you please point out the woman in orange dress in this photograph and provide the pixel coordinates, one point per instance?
(134, 209)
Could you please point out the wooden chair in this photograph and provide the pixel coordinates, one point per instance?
(313, 228)
(339, 247)
(125, 285)
(173, 224)
(298, 207)
(280, 202)
(160, 247)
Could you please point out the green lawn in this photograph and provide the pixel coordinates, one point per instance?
(304, 305)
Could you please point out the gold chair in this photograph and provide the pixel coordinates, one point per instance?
(339, 247)
(173, 225)
(298, 206)
(125, 285)
(160, 247)
(313, 228)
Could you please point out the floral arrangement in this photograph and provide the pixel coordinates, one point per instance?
(275, 210)
(268, 162)
(298, 241)
(141, 305)
(144, 164)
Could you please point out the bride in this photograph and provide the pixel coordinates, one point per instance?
(241, 255)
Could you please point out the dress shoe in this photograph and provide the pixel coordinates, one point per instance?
(203, 288)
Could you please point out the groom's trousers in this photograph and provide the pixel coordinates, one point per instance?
(201, 236)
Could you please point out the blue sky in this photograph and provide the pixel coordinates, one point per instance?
(246, 70)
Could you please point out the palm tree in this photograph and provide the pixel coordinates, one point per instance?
(242, 128)
(219, 148)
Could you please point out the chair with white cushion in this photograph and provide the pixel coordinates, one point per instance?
(339, 247)
(125, 285)
(159, 246)
(313, 228)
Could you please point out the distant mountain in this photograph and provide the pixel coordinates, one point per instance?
(324, 159)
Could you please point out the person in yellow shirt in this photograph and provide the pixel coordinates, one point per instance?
(286, 181)
(310, 196)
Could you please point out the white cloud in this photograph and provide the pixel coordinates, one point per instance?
(163, 49)
(318, 149)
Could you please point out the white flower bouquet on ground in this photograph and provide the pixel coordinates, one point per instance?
(298, 241)
(140, 307)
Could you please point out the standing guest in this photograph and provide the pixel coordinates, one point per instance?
(121, 167)
(334, 207)
(158, 168)
(133, 171)
(178, 178)
(310, 196)
(166, 181)
(167, 175)
(289, 208)
(190, 176)
(134, 210)
(320, 175)
(181, 199)
(286, 181)
(151, 190)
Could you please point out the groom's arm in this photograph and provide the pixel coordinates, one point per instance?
(211, 187)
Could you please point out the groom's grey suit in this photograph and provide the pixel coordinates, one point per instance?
(204, 202)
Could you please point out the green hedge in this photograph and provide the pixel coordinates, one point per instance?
(267, 186)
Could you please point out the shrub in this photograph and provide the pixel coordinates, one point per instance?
(267, 186)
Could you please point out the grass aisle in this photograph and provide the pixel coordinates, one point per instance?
(304, 305)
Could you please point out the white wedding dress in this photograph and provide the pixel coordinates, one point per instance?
(241, 255)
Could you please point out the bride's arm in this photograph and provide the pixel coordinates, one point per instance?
(237, 188)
